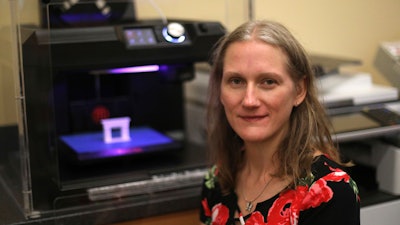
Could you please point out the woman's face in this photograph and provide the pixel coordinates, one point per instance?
(257, 92)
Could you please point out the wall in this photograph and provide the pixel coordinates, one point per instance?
(351, 29)
(11, 11)
(341, 28)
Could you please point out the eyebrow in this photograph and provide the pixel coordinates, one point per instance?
(230, 73)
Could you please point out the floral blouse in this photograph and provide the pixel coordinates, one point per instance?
(328, 196)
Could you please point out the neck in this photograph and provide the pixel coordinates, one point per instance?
(259, 158)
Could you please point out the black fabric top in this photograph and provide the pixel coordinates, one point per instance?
(328, 196)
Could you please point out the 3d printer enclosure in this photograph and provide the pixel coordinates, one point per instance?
(61, 68)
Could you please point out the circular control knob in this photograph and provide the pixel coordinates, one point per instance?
(175, 30)
(174, 33)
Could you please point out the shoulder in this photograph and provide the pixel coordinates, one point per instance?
(323, 165)
(211, 196)
(328, 172)
(211, 188)
(329, 184)
(330, 192)
(211, 178)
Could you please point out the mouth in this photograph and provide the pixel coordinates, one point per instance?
(256, 118)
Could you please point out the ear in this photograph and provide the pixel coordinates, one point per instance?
(301, 91)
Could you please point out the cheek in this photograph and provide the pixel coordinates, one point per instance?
(281, 102)
(231, 100)
(222, 99)
(287, 95)
(229, 104)
(226, 98)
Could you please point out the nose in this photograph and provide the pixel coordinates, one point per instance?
(251, 97)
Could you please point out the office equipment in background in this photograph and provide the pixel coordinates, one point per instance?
(353, 89)
(325, 65)
(387, 61)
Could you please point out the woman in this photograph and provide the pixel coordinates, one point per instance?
(274, 159)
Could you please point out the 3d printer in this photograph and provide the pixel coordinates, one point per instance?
(77, 73)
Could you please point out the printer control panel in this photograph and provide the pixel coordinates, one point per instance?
(174, 33)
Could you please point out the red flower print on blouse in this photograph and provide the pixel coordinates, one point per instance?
(220, 214)
(286, 209)
(256, 218)
(318, 193)
(207, 211)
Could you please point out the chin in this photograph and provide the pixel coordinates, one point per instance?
(253, 138)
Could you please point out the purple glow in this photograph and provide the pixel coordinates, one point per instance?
(135, 69)
(83, 17)
(163, 68)
(87, 146)
(119, 152)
